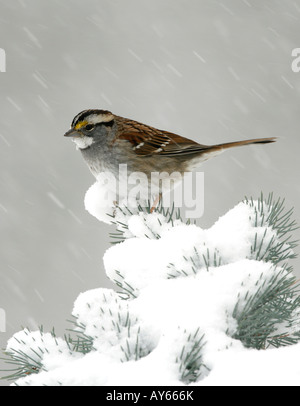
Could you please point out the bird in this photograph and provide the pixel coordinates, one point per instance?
(108, 141)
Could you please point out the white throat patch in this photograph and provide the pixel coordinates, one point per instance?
(82, 142)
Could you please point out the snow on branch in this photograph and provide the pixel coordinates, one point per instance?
(194, 306)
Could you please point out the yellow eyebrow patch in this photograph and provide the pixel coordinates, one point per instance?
(81, 124)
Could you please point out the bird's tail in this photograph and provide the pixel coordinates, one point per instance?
(227, 145)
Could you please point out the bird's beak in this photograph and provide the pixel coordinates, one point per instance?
(72, 133)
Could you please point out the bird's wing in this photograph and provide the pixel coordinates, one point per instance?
(147, 140)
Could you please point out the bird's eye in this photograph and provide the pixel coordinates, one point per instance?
(89, 127)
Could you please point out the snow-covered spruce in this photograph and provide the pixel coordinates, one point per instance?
(200, 307)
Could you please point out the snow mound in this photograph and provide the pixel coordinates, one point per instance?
(181, 318)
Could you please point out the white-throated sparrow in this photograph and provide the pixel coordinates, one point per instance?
(107, 142)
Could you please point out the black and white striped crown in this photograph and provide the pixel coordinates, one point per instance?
(92, 117)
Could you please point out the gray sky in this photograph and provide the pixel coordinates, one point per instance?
(214, 71)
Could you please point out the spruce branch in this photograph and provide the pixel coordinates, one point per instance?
(191, 366)
(28, 354)
(126, 290)
(122, 214)
(271, 308)
(108, 325)
(270, 214)
(25, 365)
(82, 342)
(194, 263)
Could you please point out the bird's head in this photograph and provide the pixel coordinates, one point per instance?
(89, 127)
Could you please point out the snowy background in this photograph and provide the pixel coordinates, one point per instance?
(214, 71)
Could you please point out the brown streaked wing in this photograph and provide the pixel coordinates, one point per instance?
(147, 140)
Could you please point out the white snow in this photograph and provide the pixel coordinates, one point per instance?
(41, 348)
(178, 290)
(99, 202)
